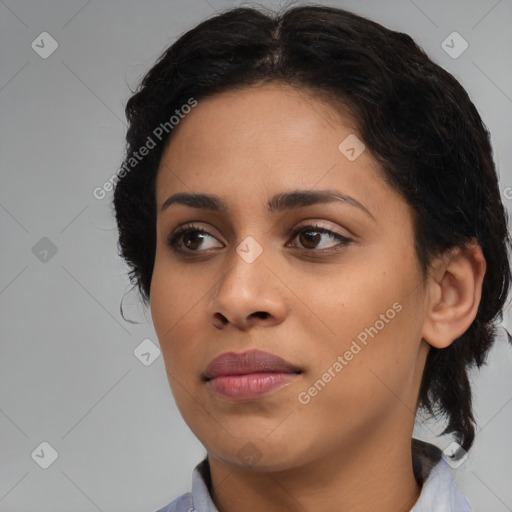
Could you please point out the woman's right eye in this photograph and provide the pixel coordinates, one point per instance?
(191, 237)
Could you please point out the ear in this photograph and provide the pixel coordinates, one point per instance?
(454, 292)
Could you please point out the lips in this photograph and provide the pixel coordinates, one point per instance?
(248, 375)
(253, 361)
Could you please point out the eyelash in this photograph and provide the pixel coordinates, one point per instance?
(173, 239)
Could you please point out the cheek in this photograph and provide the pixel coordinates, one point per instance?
(343, 301)
(380, 359)
(174, 304)
(175, 290)
(367, 314)
(164, 301)
(374, 384)
(172, 310)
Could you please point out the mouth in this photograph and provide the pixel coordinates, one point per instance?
(248, 375)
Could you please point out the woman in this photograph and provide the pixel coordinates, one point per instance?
(310, 207)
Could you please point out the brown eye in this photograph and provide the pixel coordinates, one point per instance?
(310, 237)
(310, 240)
(191, 239)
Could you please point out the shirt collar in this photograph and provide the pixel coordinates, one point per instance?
(439, 491)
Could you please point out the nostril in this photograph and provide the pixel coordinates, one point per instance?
(220, 317)
(261, 314)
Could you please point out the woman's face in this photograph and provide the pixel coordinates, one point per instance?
(341, 302)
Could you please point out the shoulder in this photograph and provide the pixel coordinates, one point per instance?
(200, 493)
(182, 504)
(439, 491)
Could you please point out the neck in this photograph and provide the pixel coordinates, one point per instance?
(376, 475)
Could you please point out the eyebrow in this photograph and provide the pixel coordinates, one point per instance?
(283, 201)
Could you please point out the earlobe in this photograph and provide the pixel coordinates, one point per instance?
(454, 293)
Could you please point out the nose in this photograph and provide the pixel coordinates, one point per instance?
(248, 295)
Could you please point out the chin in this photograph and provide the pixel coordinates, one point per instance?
(260, 452)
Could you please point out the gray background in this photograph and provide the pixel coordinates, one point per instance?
(68, 373)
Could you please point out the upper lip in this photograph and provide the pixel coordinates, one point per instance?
(251, 361)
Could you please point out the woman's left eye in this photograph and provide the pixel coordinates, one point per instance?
(311, 236)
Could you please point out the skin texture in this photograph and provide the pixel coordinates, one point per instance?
(348, 448)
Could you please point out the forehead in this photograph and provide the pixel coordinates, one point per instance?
(259, 117)
(251, 142)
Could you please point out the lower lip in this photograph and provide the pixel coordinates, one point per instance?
(251, 385)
